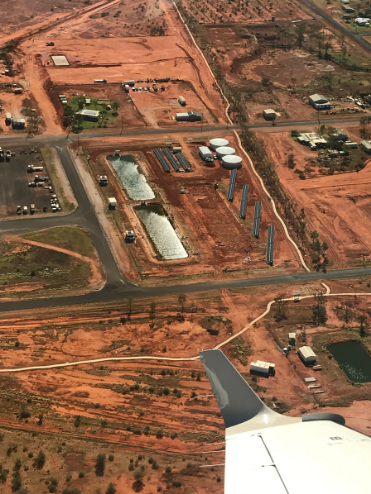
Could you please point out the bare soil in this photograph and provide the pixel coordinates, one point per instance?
(337, 206)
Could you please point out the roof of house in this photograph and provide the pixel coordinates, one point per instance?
(90, 113)
(307, 352)
(317, 98)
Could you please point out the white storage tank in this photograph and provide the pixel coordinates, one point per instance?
(231, 161)
(217, 143)
(224, 151)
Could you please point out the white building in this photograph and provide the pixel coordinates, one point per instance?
(263, 368)
(307, 355)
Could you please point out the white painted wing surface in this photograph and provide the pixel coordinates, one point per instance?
(319, 457)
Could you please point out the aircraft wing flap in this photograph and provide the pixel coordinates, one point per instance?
(249, 467)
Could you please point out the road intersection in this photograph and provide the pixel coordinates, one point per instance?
(117, 287)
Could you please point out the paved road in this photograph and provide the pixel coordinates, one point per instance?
(119, 291)
(303, 123)
(116, 287)
(62, 139)
(84, 216)
(357, 37)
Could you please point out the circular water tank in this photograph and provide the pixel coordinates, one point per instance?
(231, 161)
(217, 143)
(224, 151)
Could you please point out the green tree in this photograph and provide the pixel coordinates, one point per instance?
(281, 308)
(319, 310)
(40, 460)
(291, 161)
(362, 326)
(3, 474)
(152, 312)
(182, 299)
(300, 37)
(16, 481)
(100, 465)
(111, 489)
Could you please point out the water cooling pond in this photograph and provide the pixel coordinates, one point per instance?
(161, 231)
(134, 182)
(353, 359)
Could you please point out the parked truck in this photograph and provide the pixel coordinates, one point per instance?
(32, 168)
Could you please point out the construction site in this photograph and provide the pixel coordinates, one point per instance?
(176, 177)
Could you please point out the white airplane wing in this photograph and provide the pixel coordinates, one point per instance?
(269, 453)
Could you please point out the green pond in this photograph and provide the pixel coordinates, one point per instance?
(353, 359)
(132, 179)
(161, 231)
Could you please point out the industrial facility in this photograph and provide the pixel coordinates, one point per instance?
(224, 151)
(230, 162)
(218, 143)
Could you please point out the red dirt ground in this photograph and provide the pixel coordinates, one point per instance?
(341, 222)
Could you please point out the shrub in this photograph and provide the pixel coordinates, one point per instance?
(100, 465)
(81, 475)
(111, 457)
(160, 434)
(111, 489)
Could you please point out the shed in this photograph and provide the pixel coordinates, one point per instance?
(317, 99)
(18, 90)
(112, 203)
(182, 101)
(348, 10)
(191, 116)
(90, 115)
(60, 60)
(351, 145)
(88, 102)
(292, 339)
(129, 83)
(18, 123)
(269, 114)
(366, 146)
(307, 355)
(340, 135)
(262, 368)
(205, 153)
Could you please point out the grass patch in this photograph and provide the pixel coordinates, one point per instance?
(108, 117)
(37, 265)
(66, 237)
(49, 160)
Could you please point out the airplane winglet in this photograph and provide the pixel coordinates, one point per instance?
(237, 401)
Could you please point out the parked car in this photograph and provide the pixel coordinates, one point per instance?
(32, 184)
(25, 209)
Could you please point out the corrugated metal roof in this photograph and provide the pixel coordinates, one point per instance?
(307, 352)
